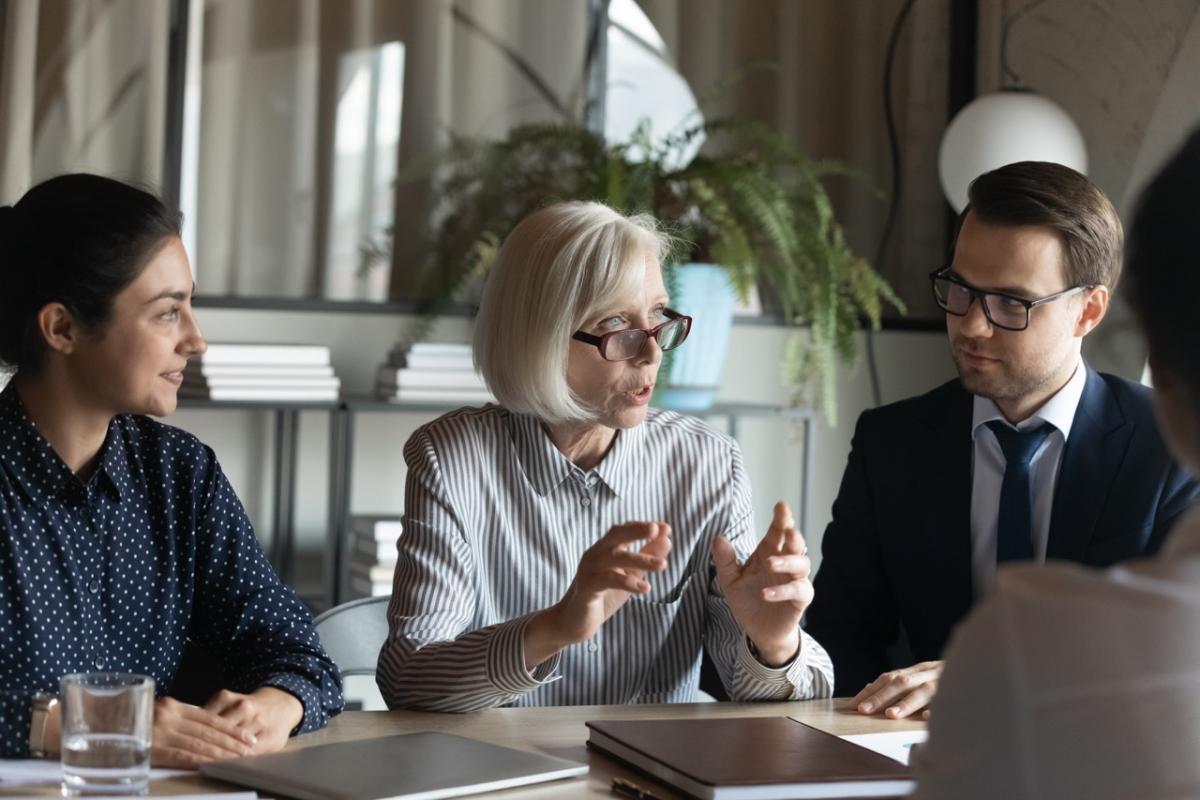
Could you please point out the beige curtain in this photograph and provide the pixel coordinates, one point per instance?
(82, 88)
(461, 78)
(828, 94)
(270, 87)
(256, 223)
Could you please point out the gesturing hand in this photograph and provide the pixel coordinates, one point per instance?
(768, 594)
(901, 692)
(608, 574)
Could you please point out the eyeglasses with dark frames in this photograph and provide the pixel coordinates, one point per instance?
(1007, 311)
(625, 344)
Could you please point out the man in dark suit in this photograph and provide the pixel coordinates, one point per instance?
(1028, 455)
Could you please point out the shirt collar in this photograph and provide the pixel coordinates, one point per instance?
(546, 467)
(616, 469)
(1059, 410)
(113, 466)
(34, 464)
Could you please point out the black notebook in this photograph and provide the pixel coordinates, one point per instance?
(750, 758)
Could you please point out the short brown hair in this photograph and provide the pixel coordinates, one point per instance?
(1058, 197)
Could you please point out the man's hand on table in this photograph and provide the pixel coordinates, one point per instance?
(902, 692)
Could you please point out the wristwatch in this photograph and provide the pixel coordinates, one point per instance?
(43, 702)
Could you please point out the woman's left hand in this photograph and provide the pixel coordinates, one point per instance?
(768, 594)
(268, 713)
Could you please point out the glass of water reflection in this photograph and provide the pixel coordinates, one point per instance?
(106, 722)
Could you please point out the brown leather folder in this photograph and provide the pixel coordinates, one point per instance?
(750, 758)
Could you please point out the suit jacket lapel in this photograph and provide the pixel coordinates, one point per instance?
(948, 512)
(1099, 438)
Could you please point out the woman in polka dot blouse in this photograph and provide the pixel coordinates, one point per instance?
(121, 541)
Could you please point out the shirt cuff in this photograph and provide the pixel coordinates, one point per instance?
(787, 682)
(311, 717)
(506, 660)
(16, 711)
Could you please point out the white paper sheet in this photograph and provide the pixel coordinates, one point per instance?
(897, 745)
(40, 772)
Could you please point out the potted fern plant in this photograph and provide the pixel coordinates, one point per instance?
(750, 202)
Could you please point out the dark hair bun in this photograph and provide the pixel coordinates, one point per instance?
(78, 240)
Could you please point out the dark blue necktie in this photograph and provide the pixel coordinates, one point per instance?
(1014, 533)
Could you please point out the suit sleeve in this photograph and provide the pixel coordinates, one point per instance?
(1180, 490)
(853, 613)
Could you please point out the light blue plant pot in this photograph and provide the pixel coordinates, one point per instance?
(702, 291)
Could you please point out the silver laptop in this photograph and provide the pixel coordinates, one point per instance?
(412, 766)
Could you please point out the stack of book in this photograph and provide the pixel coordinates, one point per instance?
(266, 372)
(373, 540)
(431, 373)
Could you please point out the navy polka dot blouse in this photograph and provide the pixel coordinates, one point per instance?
(117, 573)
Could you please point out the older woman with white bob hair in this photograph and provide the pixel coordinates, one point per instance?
(570, 545)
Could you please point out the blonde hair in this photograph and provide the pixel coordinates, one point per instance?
(560, 266)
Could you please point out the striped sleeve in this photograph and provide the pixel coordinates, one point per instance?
(432, 660)
(809, 675)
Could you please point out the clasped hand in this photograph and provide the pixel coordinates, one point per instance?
(229, 725)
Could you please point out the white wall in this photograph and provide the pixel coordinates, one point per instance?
(909, 363)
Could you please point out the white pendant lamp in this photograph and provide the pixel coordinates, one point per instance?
(1001, 128)
(1004, 127)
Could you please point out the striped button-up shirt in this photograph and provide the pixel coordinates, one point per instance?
(496, 520)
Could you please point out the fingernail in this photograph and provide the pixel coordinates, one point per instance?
(250, 737)
(770, 593)
(893, 711)
(866, 708)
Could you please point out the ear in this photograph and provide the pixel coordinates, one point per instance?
(1095, 306)
(58, 328)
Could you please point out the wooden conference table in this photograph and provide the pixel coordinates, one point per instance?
(560, 732)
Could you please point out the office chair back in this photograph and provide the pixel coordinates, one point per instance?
(353, 633)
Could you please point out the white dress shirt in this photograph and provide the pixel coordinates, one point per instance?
(1069, 682)
(988, 475)
(495, 522)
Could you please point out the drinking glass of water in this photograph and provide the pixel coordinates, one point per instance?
(106, 722)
